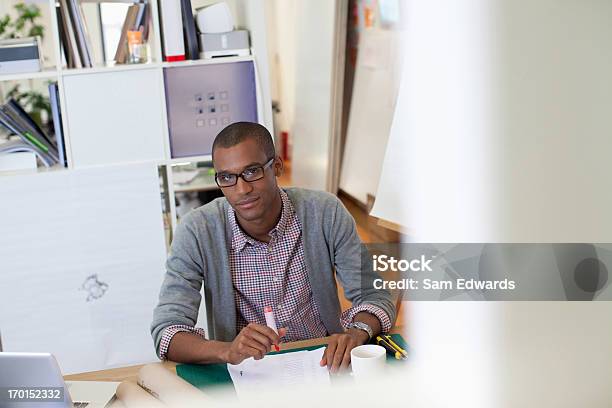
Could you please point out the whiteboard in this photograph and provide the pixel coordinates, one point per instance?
(82, 259)
(434, 175)
(372, 105)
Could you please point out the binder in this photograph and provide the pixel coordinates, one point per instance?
(71, 41)
(57, 123)
(189, 31)
(80, 32)
(36, 145)
(139, 16)
(146, 22)
(16, 110)
(172, 30)
(25, 122)
(88, 46)
(64, 39)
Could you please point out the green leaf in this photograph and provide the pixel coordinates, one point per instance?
(37, 31)
(25, 24)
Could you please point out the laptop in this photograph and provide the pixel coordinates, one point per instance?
(34, 380)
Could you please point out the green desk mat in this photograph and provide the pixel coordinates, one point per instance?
(210, 375)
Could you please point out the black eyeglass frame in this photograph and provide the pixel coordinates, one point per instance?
(263, 168)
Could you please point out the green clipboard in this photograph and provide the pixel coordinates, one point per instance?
(214, 375)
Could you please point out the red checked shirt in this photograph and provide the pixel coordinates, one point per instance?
(274, 274)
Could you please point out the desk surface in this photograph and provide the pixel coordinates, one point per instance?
(131, 373)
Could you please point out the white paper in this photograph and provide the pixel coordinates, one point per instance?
(375, 49)
(96, 393)
(82, 257)
(185, 176)
(277, 371)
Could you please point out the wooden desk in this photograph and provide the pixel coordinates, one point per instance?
(131, 373)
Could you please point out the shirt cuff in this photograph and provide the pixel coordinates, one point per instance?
(382, 316)
(170, 331)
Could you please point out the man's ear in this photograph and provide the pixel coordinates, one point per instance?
(278, 166)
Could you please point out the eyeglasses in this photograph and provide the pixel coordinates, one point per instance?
(249, 175)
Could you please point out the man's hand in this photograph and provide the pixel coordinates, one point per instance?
(338, 352)
(254, 341)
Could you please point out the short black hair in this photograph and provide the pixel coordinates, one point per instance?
(238, 132)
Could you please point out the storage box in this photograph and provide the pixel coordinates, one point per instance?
(19, 55)
(232, 43)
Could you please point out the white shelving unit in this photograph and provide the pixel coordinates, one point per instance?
(115, 121)
(44, 74)
(117, 114)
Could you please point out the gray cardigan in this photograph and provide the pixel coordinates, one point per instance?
(200, 254)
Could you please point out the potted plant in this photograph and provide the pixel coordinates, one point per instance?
(26, 23)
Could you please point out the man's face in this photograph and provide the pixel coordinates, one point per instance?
(250, 200)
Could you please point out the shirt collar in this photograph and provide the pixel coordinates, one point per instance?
(240, 239)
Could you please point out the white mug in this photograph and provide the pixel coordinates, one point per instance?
(368, 361)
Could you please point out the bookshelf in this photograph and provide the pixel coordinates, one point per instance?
(117, 114)
(116, 133)
(119, 170)
(44, 74)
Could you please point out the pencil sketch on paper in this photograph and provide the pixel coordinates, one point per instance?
(94, 287)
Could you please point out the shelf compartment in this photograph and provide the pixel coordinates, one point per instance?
(115, 117)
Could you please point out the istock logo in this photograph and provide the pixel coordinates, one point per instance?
(384, 263)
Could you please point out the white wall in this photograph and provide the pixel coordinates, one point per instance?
(282, 17)
(307, 58)
(253, 12)
(554, 104)
(312, 118)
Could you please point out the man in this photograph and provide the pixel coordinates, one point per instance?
(261, 246)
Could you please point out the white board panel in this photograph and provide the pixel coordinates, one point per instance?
(372, 106)
(435, 175)
(115, 117)
(82, 259)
